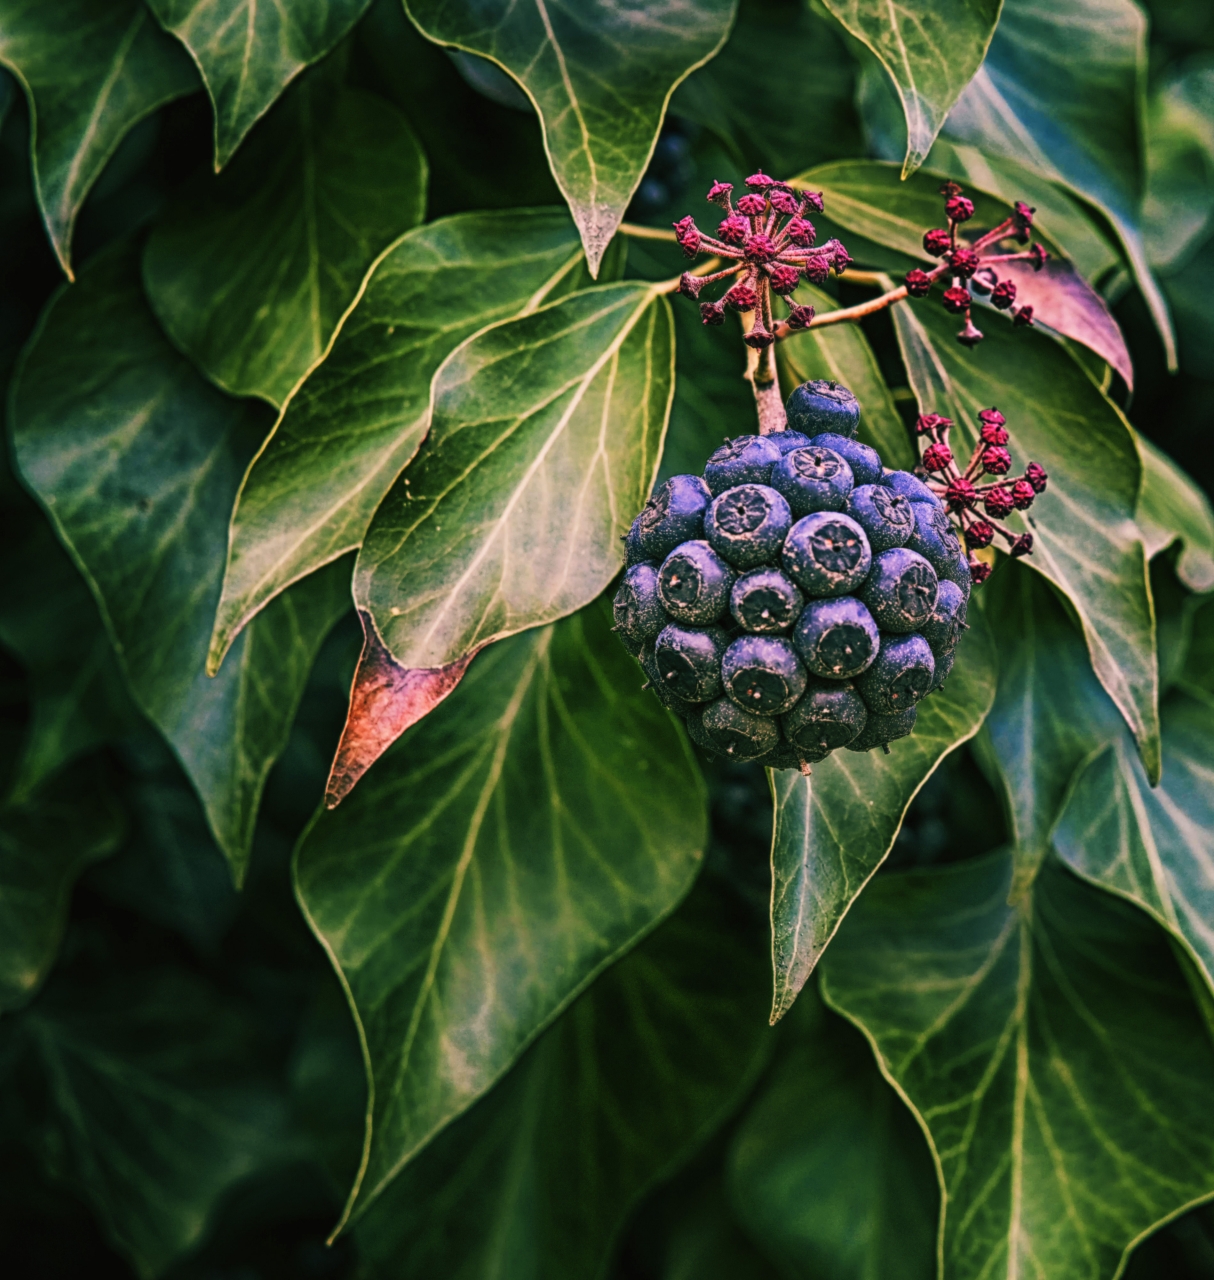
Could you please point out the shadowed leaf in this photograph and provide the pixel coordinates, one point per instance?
(1171, 508)
(1179, 202)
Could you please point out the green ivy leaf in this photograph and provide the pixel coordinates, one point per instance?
(1154, 846)
(1180, 166)
(600, 77)
(1085, 540)
(1061, 92)
(638, 1071)
(91, 69)
(1051, 1048)
(1050, 712)
(46, 841)
(249, 52)
(841, 352)
(510, 846)
(136, 459)
(1171, 508)
(930, 50)
(359, 417)
(250, 271)
(833, 829)
(828, 1167)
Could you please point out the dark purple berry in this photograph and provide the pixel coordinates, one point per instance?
(880, 731)
(669, 699)
(674, 514)
(688, 661)
(743, 460)
(829, 715)
(901, 590)
(909, 486)
(865, 462)
(787, 441)
(957, 571)
(738, 734)
(694, 584)
(765, 601)
(763, 674)
(813, 479)
(837, 639)
(748, 524)
(786, 756)
(819, 406)
(827, 554)
(886, 517)
(934, 537)
(900, 676)
(943, 629)
(944, 668)
(637, 607)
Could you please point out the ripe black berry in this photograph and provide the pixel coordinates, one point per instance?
(653, 680)
(739, 734)
(827, 554)
(688, 661)
(638, 608)
(901, 590)
(886, 517)
(813, 479)
(957, 571)
(900, 676)
(881, 730)
(909, 486)
(763, 674)
(744, 460)
(943, 629)
(819, 406)
(933, 538)
(765, 601)
(944, 668)
(694, 584)
(829, 715)
(674, 514)
(787, 441)
(748, 524)
(864, 461)
(837, 638)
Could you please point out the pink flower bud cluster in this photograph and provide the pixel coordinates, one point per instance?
(968, 265)
(768, 234)
(964, 492)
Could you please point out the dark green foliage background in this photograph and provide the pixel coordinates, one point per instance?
(505, 1012)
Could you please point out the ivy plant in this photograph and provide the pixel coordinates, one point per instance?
(606, 637)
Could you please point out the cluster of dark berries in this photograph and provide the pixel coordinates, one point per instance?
(969, 265)
(962, 492)
(796, 598)
(768, 234)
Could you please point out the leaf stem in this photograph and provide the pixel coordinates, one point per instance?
(639, 232)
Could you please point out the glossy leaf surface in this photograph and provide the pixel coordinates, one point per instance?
(537, 1178)
(930, 51)
(1171, 508)
(505, 850)
(250, 271)
(91, 70)
(1179, 200)
(249, 51)
(356, 421)
(600, 75)
(136, 459)
(834, 828)
(1052, 1048)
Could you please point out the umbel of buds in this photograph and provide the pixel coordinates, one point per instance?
(978, 497)
(968, 266)
(769, 238)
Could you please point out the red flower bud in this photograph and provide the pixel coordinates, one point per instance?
(1023, 494)
(718, 193)
(950, 188)
(971, 335)
(959, 209)
(800, 316)
(1034, 473)
(760, 248)
(784, 279)
(1022, 216)
(960, 495)
(816, 269)
(783, 200)
(751, 205)
(993, 432)
(1023, 546)
(742, 298)
(979, 572)
(937, 457)
(1023, 316)
(689, 285)
(918, 283)
(1038, 256)
(996, 460)
(801, 232)
(813, 200)
(929, 422)
(1003, 295)
(937, 242)
(712, 313)
(760, 181)
(992, 416)
(964, 262)
(956, 300)
(734, 229)
(758, 338)
(979, 534)
(842, 260)
(997, 502)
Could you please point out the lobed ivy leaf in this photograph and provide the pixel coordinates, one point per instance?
(1155, 845)
(91, 70)
(46, 841)
(506, 850)
(250, 271)
(249, 51)
(538, 1177)
(1050, 1047)
(1085, 539)
(545, 436)
(1171, 508)
(828, 1168)
(931, 52)
(1061, 92)
(842, 353)
(834, 828)
(351, 426)
(136, 460)
(600, 76)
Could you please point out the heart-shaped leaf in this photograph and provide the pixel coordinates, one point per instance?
(1085, 540)
(250, 271)
(1051, 1048)
(248, 52)
(352, 425)
(510, 846)
(931, 50)
(91, 69)
(638, 1071)
(545, 435)
(834, 827)
(136, 459)
(1171, 508)
(600, 76)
